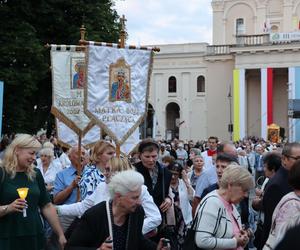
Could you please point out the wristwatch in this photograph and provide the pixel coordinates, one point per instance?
(4, 208)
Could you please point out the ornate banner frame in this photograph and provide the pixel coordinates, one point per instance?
(117, 107)
(68, 138)
(68, 81)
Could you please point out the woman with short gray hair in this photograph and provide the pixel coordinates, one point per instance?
(126, 182)
(218, 222)
(116, 223)
(152, 215)
(233, 175)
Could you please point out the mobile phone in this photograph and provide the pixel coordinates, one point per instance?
(166, 242)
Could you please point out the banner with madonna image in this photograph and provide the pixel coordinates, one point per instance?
(117, 88)
(68, 81)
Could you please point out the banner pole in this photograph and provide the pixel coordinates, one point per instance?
(122, 32)
(118, 150)
(79, 167)
(121, 45)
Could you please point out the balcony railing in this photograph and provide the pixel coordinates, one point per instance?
(218, 49)
(250, 40)
(241, 40)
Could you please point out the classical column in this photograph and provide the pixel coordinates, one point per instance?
(239, 104)
(184, 127)
(266, 100)
(294, 93)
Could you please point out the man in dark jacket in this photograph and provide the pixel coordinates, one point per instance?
(157, 178)
(121, 224)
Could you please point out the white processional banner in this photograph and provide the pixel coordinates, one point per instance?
(69, 138)
(68, 80)
(117, 89)
(132, 141)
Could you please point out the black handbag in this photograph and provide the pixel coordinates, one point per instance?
(257, 242)
(167, 231)
(189, 242)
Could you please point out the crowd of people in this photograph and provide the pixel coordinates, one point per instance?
(238, 195)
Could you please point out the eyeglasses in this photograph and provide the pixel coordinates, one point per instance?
(293, 157)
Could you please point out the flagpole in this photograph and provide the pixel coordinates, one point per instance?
(121, 45)
(79, 167)
(82, 35)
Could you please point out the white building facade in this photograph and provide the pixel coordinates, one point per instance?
(245, 78)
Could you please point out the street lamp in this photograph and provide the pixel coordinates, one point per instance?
(230, 125)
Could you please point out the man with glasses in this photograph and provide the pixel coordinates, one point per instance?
(278, 186)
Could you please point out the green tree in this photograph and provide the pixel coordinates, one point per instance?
(26, 26)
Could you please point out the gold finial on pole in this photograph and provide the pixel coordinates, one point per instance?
(123, 32)
(82, 35)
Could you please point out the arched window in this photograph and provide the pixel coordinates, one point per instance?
(200, 84)
(172, 84)
(274, 28)
(240, 26)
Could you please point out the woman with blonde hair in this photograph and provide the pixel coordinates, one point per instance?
(218, 223)
(117, 164)
(102, 152)
(24, 230)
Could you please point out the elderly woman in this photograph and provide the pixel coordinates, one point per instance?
(192, 154)
(218, 221)
(48, 168)
(198, 164)
(153, 217)
(17, 230)
(183, 194)
(102, 152)
(119, 220)
(288, 206)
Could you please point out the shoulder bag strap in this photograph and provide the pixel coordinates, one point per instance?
(195, 220)
(109, 219)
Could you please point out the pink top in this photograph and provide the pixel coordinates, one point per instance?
(236, 228)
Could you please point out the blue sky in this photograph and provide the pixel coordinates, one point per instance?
(166, 21)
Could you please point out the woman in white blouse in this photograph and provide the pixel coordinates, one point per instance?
(48, 167)
(101, 193)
